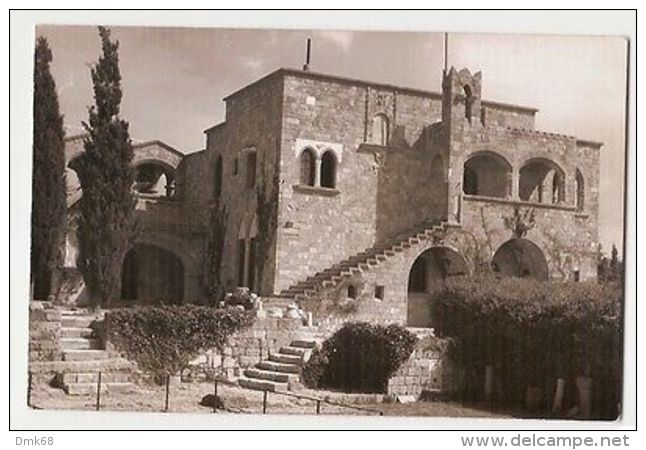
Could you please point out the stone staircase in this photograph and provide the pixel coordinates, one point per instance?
(366, 260)
(83, 357)
(281, 370)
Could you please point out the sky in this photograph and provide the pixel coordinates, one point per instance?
(174, 80)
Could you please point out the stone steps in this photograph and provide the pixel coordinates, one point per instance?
(75, 321)
(260, 374)
(63, 378)
(80, 344)
(281, 369)
(91, 388)
(287, 359)
(73, 332)
(84, 355)
(82, 366)
(262, 385)
(365, 260)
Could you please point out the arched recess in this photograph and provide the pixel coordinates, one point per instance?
(520, 258)
(152, 274)
(488, 174)
(155, 178)
(542, 181)
(308, 167)
(429, 268)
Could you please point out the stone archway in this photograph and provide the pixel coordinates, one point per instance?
(151, 274)
(429, 268)
(520, 258)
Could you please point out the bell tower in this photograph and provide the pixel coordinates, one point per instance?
(461, 97)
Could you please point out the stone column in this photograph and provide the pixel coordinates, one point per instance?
(317, 171)
(515, 183)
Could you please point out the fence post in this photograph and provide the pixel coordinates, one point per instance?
(29, 381)
(318, 407)
(264, 401)
(98, 393)
(167, 390)
(215, 395)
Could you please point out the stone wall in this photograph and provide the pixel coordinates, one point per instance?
(44, 332)
(427, 369)
(249, 347)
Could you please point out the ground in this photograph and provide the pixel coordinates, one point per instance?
(187, 396)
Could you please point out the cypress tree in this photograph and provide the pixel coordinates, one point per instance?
(106, 227)
(49, 208)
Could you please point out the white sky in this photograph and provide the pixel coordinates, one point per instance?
(174, 80)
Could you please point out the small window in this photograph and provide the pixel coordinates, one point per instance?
(576, 275)
(379, 292)
(468, 102)
(235, 166)
(328, 170)
(251, 169)
(352, 292)
(380, 130)
(308, 167)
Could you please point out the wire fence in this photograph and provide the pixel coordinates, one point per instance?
(96, 401)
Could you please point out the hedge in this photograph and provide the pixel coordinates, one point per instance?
(164, 339)
(359, 357)
(534, 333)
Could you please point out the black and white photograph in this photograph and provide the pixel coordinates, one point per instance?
(326, 222)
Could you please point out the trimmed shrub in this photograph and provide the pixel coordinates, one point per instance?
(359, 357)
(533, 333)
(164, 339)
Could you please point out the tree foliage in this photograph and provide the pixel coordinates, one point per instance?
(216, 232)
(107, 221)
(49, 209)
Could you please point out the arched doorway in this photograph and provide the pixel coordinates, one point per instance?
(520, 258)
(430, 268)
(152, 274)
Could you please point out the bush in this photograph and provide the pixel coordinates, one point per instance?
(359, 357)
(164, 339)
(533, 333)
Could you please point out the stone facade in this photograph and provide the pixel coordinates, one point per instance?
(339, 193)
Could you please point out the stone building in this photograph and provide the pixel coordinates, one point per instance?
(352, 197)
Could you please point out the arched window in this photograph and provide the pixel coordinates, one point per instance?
(579, 186)
(380, 130)
(308, 167)
(217, 177)
(328, 170)
(538, 178)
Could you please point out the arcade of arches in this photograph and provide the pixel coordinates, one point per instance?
(515, 258)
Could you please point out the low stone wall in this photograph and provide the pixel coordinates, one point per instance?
(44, 332)
(427, 369)
(249, 347)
